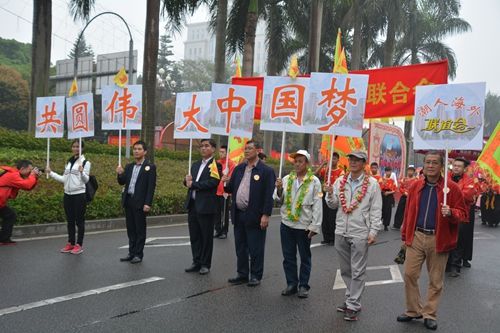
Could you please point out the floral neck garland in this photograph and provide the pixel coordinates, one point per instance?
(294, 217)
(357, 198)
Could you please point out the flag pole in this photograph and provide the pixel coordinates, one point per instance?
(282, 152)
(80, 148)
(330, 164)
(48, 156)
(190, 155)
(119, 147)
(445, 176)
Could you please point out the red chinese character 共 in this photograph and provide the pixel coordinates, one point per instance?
(123, 107)
(337, 112)
(226, 105)
(79, 116)
(288, 101)
(190, 114)
(49, 119)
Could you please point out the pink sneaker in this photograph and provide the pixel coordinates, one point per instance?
(77, 249)
(67, 248)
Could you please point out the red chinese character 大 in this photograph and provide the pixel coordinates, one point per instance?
(458, 103)
(189, 116)
(340, 98)
(229, 105)
(79, 113)
(424, 110)
(50, 120)
(128, 111)
(288, 101)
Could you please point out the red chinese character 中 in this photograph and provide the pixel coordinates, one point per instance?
(49, 119)
(340, 98)
(190, 114)
(79, 116)
(288, 101)
(128, 111)
(229, 105)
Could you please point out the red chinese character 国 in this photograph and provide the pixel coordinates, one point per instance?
(288, 101)
(229, 105)
(128, 111)
(189, 116)
(49, 119)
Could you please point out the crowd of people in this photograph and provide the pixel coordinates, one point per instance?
(349, 206)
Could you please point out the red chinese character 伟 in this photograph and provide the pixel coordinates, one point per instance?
(49, 119)
(226, 105)
(128, 111)
(79, 116)
(340, 98)
(288, 101)
(190, 114)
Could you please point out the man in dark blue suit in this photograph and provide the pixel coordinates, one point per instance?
(202, 204)
(252, 186)
(139, 178)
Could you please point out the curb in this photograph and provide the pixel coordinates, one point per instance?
(52, 229)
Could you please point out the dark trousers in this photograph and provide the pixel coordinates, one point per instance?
(75, 206)
(400, 212)
(249, 239)
(387, 203)
(222, 217)
(463, 251)
(291, 240)
(328, 224)
(201, 233)
(136, 230)
(8, 216)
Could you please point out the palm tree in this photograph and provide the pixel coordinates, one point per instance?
(219, 7)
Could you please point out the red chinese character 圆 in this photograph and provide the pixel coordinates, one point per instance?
(79, 113)
(340, 98)
(49, 119)
(190, 114)
(128, 111)
(288, 101)
(226, 105)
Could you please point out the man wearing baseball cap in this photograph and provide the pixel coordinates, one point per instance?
(359, 202)
(300, 195)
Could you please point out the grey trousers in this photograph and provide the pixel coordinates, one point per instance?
(353, 255)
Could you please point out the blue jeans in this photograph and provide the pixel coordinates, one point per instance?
(291, 239)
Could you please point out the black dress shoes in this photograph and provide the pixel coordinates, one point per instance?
(289, 290)
(430, 324)
(238, 280)
(204, 270)
(404, 318)
(193, 268)
(222, 236)
(253, 282)
(303, 292)
(127, 258)
(466, 264)
(135, 260)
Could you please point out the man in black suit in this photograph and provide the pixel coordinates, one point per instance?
(202, 203)
(139, 179)
(252, 186)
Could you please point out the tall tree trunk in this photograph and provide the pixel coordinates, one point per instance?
(249, 46)
(220, 42)
(40, 56)
(149, 74)
(390, 42)
(357, 35)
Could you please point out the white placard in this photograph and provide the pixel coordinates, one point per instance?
(192, 115)
(80, 115)
(122, 107)
(49, 117)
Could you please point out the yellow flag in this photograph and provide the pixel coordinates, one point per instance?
(294, 67)
(121, 78)
(340, 60)
(73, 89)
(214, 171)
(237, 62)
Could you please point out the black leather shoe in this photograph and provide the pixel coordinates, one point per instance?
(204, 270)
(127, 258)
(454, 273)
(303, 292)
(404, 318)
(192, 268)
(466, 264)
(253, 282)
(217, 235)
(289, 290)
(135, 260)
(325, 242)
(238, 280)
(430, 324)
(222, 236)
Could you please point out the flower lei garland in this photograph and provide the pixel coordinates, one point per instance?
(294, 217)
(358, 197)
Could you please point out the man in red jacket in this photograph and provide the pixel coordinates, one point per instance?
(23, 177)
(430, 231)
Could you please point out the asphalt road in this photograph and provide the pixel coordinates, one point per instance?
(42, 290)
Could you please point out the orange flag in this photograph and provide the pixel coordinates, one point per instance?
(121, 78)
(294, 67)
(237, 62)
(489, 160)
(73, 89)
(339, 58)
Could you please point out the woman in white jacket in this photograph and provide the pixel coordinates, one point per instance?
(74, 178)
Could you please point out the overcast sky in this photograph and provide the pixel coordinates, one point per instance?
(477, 51)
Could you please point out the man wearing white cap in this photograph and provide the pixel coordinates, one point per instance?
(359, 202)
(299, 194)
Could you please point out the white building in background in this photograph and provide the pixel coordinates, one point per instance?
(200, 45)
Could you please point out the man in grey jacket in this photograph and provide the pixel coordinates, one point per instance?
(359, 202)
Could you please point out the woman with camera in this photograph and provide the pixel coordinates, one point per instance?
(75, 176)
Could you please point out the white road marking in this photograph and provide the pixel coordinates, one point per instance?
(483, 235)
(395, 274)
(152, 239)
(316, 245)
(60, 299)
